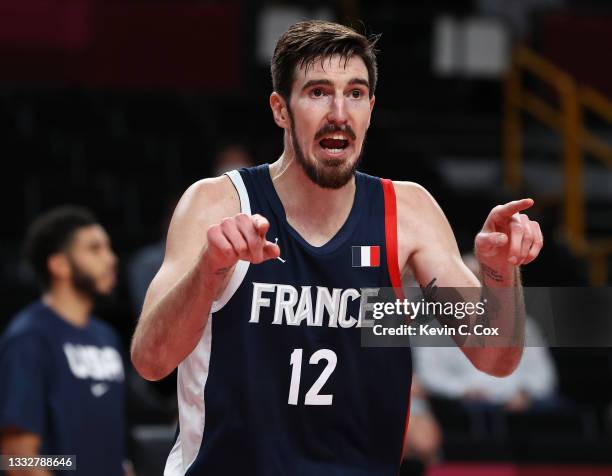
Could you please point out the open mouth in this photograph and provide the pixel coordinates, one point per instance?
(334, 144)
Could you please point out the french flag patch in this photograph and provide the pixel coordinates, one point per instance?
(366, 256)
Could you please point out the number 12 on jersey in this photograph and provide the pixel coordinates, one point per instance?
(312, 396)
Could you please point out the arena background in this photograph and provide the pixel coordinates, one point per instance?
(120, 105)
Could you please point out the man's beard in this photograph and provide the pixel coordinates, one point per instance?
(84, 283)
(329, 174)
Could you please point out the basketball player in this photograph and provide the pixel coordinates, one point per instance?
(257, 296)
(61, 371)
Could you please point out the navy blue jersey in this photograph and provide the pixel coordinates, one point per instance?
(279, 384)
(65, 384)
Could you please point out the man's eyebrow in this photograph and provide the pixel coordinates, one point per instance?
(361, 81)
(327, 82)
(314, 82)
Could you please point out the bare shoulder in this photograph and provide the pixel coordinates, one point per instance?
(420, 220)
(209, 199)
(415, 203)
(205, 203)
(411, 194)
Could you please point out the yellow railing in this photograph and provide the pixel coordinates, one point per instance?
(566, 118)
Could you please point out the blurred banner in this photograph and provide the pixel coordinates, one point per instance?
(121, 44)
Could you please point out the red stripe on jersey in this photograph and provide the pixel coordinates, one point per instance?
(393, 265)
(391, 237)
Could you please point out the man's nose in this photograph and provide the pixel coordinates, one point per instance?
(337, 110)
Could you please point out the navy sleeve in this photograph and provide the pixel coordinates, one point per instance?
(22, 380)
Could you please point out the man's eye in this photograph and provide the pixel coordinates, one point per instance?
(356, 93)
(317, 92)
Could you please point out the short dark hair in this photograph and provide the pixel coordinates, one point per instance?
(307, 41)
(51, 233)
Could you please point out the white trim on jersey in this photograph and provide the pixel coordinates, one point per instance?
(191, 380)
(193, 371)
(242, 267)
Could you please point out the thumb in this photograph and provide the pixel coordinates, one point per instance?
(271, 251)
(489, 242)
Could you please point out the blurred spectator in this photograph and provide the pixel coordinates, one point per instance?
(146, 261)
(61, 370)
(447, 372)
(423, 438)
(230, 157)
(142, 267)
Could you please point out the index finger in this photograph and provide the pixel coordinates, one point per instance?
(510, 208)
(261, 225)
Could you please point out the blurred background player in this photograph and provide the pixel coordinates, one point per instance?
(61, 370)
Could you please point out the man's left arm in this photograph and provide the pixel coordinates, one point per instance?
(507, 240)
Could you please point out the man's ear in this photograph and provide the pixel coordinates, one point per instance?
(279, 110)
(58, 266)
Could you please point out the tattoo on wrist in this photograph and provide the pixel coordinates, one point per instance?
(490, 273)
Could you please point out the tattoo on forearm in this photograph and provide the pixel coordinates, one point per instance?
(491, 273)
(430, 291)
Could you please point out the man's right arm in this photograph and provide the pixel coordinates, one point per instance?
(180, 296)
(206, 238)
